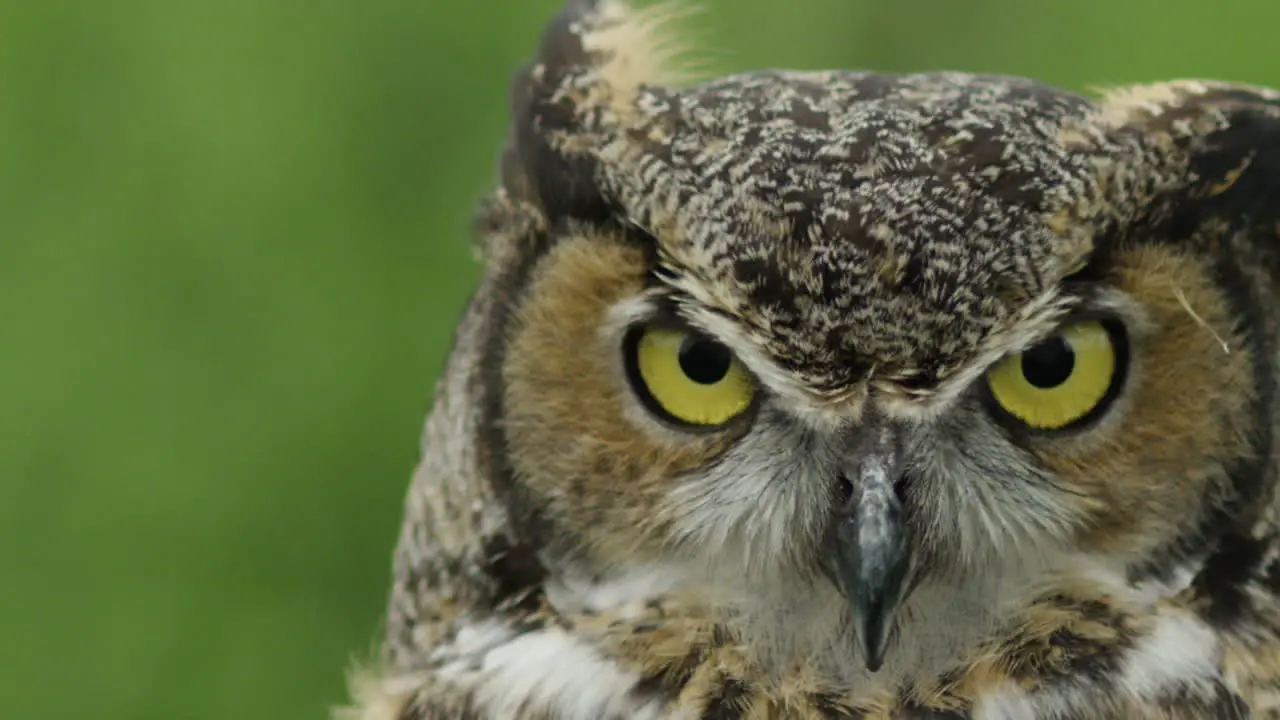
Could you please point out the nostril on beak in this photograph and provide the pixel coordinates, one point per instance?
(900, 489)
(845, 491)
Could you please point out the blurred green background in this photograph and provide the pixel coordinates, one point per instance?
(233, 241)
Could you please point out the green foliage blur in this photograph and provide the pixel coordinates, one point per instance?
(234, 236)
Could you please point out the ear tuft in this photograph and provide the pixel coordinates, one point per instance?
(1238, 165)
(594, 59)
(635, 48)
(1211, 149)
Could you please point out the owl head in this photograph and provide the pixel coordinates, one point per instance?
(823, 345)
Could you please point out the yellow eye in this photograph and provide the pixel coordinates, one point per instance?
(690, 378)
(1061, 380)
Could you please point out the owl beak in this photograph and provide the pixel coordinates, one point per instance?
(872, 554)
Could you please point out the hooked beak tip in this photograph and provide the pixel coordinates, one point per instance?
(872, 561)
(873, 634)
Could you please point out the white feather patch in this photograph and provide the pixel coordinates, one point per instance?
(1177, 656)
(1008, 703)
(1179, 653)
(623, 595)
(548, 671)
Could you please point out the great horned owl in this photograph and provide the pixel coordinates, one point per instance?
(851, 395)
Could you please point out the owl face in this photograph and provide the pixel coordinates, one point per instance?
(811, 340)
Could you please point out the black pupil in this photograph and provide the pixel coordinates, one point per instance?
(1048, 364)
(704, 362)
